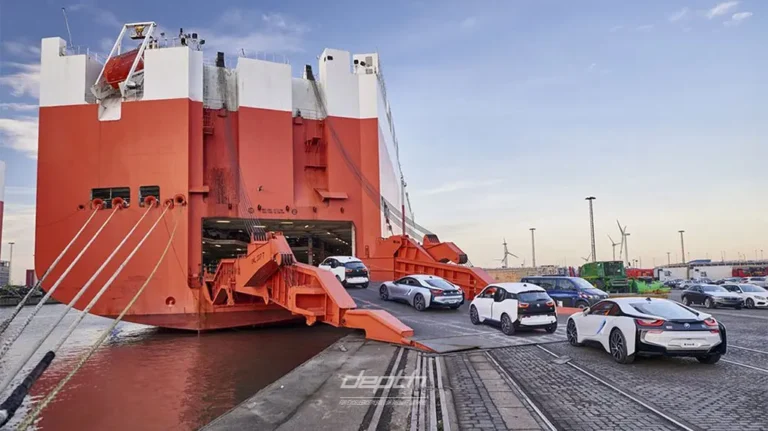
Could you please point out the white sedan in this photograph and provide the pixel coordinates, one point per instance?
(754, 296)
(626, 327)
(514, 306)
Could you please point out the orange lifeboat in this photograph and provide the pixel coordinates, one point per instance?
(117, 68)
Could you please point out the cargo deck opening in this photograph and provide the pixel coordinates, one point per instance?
(310, 240)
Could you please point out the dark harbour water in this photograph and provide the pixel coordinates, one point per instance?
(145, 378)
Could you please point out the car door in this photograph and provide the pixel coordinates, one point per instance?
(326, 264)
(593, 323)
(484, 302)
(567, 292)
(399, 288)
(497, 306)
(695, 294)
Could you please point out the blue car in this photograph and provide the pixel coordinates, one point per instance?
(568, 291)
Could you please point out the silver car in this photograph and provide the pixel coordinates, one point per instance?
(757, 281)
(422, 292)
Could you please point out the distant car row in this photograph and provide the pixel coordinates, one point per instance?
(679, 283)
(726, 295)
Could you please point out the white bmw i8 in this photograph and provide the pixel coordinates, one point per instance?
(626, 327)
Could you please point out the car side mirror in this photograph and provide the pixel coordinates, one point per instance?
(586, 311)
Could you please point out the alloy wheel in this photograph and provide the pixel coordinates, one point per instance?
(571, 333)
(617, 346)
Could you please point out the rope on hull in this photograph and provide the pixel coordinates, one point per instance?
(7, 322)
(30, 419)
(7, 345)
(20, 364)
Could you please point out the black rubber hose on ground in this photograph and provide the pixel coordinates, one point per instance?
(13, 402)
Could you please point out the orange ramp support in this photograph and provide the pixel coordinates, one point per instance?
(400, 255)
(269, 272)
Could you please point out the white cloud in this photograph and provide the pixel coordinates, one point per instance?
(677, 16)
(459, 185)
(235, 31)
(737, 18)
(616, 28)
(22, 49)
(20, 134)
(99, 15)
(19, 227)
(645, 27)
(17, 107)
(20, 191)
(721, 9)
(468, 23)
(25, 81)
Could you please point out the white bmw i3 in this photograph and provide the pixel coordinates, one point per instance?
(626, 327)
(514, 306)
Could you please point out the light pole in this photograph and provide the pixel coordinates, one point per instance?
(533, 247)
(10, 263)
(592, 227)
(682, 245)
(761, 254)
(668, 261)
(626, 246)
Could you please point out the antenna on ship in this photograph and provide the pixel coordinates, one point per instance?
(66, 22)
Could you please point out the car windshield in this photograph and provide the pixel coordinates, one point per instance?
(613, 268)
(582, 284)
(439, 283)
(666, 309)
(710, 288)
(533, 296)
(752, 288)
(354, 265)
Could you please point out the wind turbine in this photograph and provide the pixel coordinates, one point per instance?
(624, 235)
(505, 259)
(586, 259)
(613, 246)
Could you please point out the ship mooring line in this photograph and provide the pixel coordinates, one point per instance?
(109, 282)
(20, 364)
(30, 419)
(7, 345)
(7, 322)
(623, 392)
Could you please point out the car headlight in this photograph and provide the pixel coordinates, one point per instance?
(760, 298)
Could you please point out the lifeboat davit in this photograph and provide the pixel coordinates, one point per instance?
(117, 68)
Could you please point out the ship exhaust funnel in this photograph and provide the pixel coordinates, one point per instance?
(220, 59)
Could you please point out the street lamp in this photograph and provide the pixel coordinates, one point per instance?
(668, 261)
(10, 262)
(533, 247)
(682, 245)
(592, 226)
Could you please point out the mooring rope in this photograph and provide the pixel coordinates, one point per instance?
(30, 419)
(109, 282)
(20, 364)
(7, 322)
(7, 345)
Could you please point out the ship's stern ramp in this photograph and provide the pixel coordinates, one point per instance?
(401, 255)
(268, 271)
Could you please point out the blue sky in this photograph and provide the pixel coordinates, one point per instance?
(508, 113)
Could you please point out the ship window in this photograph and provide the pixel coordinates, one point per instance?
(330, 57)
(107, 194)
(146, 191)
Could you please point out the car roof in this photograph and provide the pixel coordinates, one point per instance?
(345, 259)
(422, 277)
(519, 287)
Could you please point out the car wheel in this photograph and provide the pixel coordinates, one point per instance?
(750, 303)
(551, 328)
(418, 302)
(384, 293)
(687, 301)
(364, 285)
(572, 334)
(506, 325)
(473, 316)
(582, 304)
(709, 359)
(618, 346)
(709, 303)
